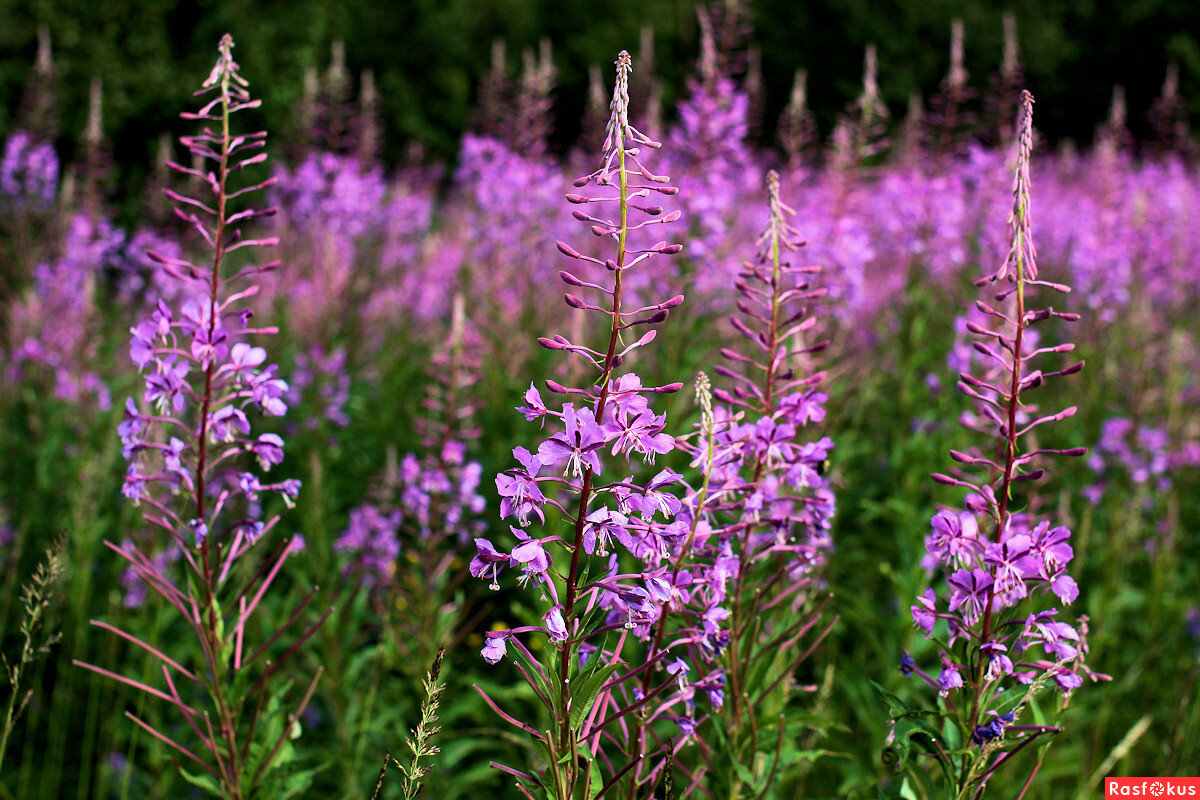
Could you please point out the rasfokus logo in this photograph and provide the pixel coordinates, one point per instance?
(1152, 787)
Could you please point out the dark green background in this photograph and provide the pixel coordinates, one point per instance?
(428, 55)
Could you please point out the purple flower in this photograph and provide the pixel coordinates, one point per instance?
(131, 428)
(488, 561)
(209, 346)
(227, 422)
(949, 678)
(167, 386)
(1011, 564)
(269, 449)
(925, 612)
(955, 537)
(993, 729)
(603, 525)
(534, 408)
(1067, 680)
(634, 427)
(267, 392)
(1049, 546)
(1064, 587)
(531, 553)
(773, 442)
(518, 489)
(494, 647)
(654, 500)
(199, 530)
(971, 590)
(801, 408)
(243, 360)
(556, 627)
(998, 661)
(576, 445)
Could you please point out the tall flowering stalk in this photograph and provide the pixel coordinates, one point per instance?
(186, 444)
(406, 544)
(601, 580)
(998, 561)
(748, 576)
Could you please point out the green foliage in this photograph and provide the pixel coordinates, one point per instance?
(428, 57)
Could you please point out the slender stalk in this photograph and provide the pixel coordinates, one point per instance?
(567, 648)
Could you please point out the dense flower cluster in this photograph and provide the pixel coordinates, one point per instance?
(29, 171)
(997, 562)
(55, 322)
(434, 498)
(607, 572)
(188, 438)
(186, 433)
(758, 521)
(1143, 451)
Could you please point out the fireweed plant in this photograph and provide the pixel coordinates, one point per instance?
(407, 546)
(998, 644)
(760, 524)
(187, 443)
(745, 578)
(605, 577)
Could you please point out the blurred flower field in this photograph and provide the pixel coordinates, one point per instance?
(766, 508)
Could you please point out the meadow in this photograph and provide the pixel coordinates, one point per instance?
(274, 506)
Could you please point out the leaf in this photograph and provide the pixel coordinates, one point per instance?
(583, 695)
(201, 780)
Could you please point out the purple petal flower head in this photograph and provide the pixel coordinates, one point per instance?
(687, 725)
(1054, 636)
(209, 345)
(602, 526)
(1064, 587)
(131, 428)
(167, 386)
(249, 485)
(1067, 680)
(244, 360)
(654, 500)
(925, 612)
(227, 422)
(955, 538)
(531, 553)
(488, 561)
(556, 626)
(773, 441)
(994, 729)
(1049, 546)
(949, 678)
(518, 489)
(998, 661)
(268, 391)
(1011, 565)
(495, 646)
(907, 664)
(801, 408)
(576, 446)
(142, 345)
(679, 669)
(970, 593)
(269, 449)
(715, 689)
(633, 427)
(534, 408)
